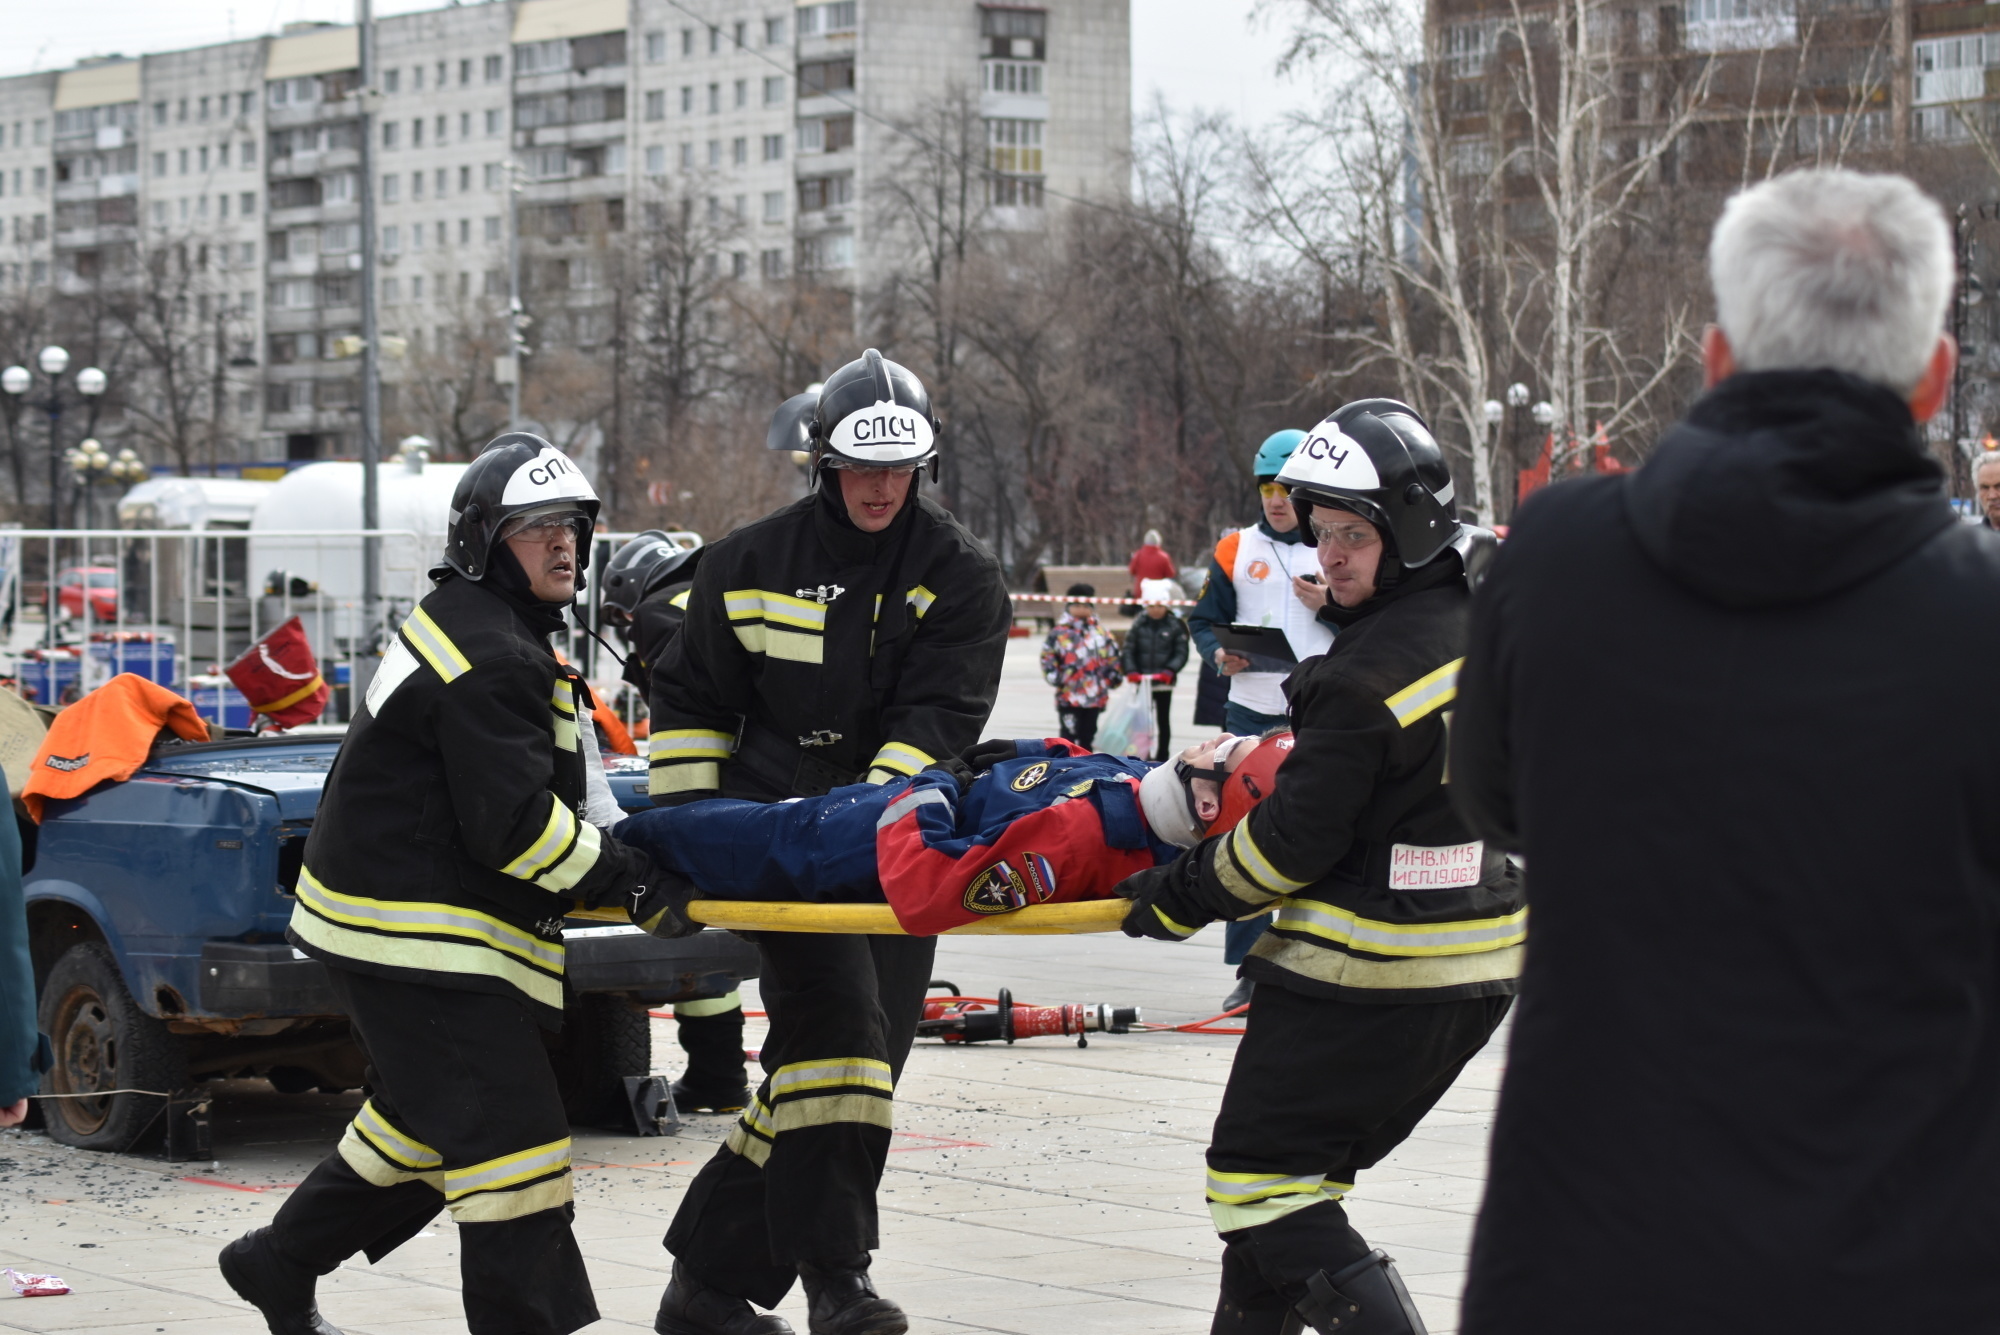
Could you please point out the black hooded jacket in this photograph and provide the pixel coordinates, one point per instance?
(1732, 710)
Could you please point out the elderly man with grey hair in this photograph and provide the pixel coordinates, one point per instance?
(1754, 1082)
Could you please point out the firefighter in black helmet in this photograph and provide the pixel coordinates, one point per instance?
(452, 836)
(1398, 934)
(646, 585)
(853, 636)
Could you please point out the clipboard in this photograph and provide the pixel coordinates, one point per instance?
(1265, 646)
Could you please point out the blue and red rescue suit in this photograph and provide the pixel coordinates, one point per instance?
(1054, 825)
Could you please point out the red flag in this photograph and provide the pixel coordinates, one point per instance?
(280, 678)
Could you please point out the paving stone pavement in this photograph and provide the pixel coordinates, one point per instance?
(1040, 1189)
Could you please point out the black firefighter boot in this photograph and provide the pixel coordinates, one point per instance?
(1248, 1305)
(1366, 1298)
(714, 1080)
(275, 1284)
(841, 1300)
(690, 1307)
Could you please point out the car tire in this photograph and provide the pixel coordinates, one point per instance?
(603, 1040)
(102, 1040)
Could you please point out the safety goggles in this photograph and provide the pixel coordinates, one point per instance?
(1272, 490)
(851, 466)
(544, 527)
(1349, 533)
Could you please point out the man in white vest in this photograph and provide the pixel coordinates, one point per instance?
(1262, 575)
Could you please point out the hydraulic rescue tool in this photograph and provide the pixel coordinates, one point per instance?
(962, 1019)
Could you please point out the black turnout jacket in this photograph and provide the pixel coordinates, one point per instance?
(814, 655)
(1735, 710)
(1382, 893)
(450, 837)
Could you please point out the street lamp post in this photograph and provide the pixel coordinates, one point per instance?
(89, 464)
(18, 381)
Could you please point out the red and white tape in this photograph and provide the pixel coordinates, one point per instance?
(1122, 602)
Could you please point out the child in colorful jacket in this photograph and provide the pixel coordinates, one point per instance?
(1081, 661)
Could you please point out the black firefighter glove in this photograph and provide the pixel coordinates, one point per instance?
(659, 902)
(1166, 901)
(989, 753)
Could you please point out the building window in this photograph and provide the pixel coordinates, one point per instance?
(815, 20)
(812, 135)
(392, 240)
(739, 264)
(464, 73)
(1011, 76)
(742, 93)
(714, 99)
(465, 125)
(834, 250)
(656, 47)
(440, 131)
(542, 57)
(715, 152)
(416, 185)
(774, 148)
(739, 151)
(656, 159)
(248, 157)
(687, 100)
(774, 32)
(774, 90)
(465, 231)
(1013, 34)
(417, 133)
(391, 292)
(247, 203)
(771, 264)
(687, 42)
(822, 192)
(774, 206)
(496, 68)
(392, 81)
(464, 180)
(184, 162)
(817, 78)
(493, 175)
(159, 118)
(687, 157)
(714, 40)
(656, 105)
(1014, 147)
(389, 132)
(159, 164)
(493, 229)
(839, 133)
(493, 125)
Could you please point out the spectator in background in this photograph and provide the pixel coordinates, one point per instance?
(24, 1053)
(1150, 562)
(1755, 1070)
(1986, 475)
(1080, 659)
(1156, 649)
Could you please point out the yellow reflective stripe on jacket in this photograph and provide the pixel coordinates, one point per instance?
(1264, 881)
(920, 599)
(1176, 928)
(863, 1071)
(426, 954)
(775, 608)
(690, 744)
(1239, 1188)
(370, 1163)
(1309, 958)
(683, 777)
(751, 1136)
(394, 915)
(548, 845)
(576, 863)
(1427, 694)
(680, 599)
(435, 646)
(1229, 1216)
(901, 758)
(790, 645)
(563, 703)
(1466, 937)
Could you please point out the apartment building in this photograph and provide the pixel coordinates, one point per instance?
(234, 170)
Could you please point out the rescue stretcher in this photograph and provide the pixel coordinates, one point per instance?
(758, 915)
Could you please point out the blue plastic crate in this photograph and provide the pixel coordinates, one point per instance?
(44, 680)
(221, 705)
(151, 659)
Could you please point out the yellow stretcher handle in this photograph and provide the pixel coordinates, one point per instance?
(758, 915)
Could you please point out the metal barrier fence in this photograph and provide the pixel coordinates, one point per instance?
(80, 606)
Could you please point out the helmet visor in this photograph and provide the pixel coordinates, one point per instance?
(543, 522)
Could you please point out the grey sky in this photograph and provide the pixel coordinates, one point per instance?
(1204, 53)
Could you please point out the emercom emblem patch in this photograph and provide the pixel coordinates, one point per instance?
(1003, 887)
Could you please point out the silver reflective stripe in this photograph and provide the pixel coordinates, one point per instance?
(909, 802)
(548, 845)
(1382, 938)
(509, 1170)
(393, 916)
(1236, 1188)
(864, 1071)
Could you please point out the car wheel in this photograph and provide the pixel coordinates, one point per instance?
(103, 1041)
(603, 1041)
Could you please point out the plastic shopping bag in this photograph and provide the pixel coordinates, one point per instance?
(1126, 727)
